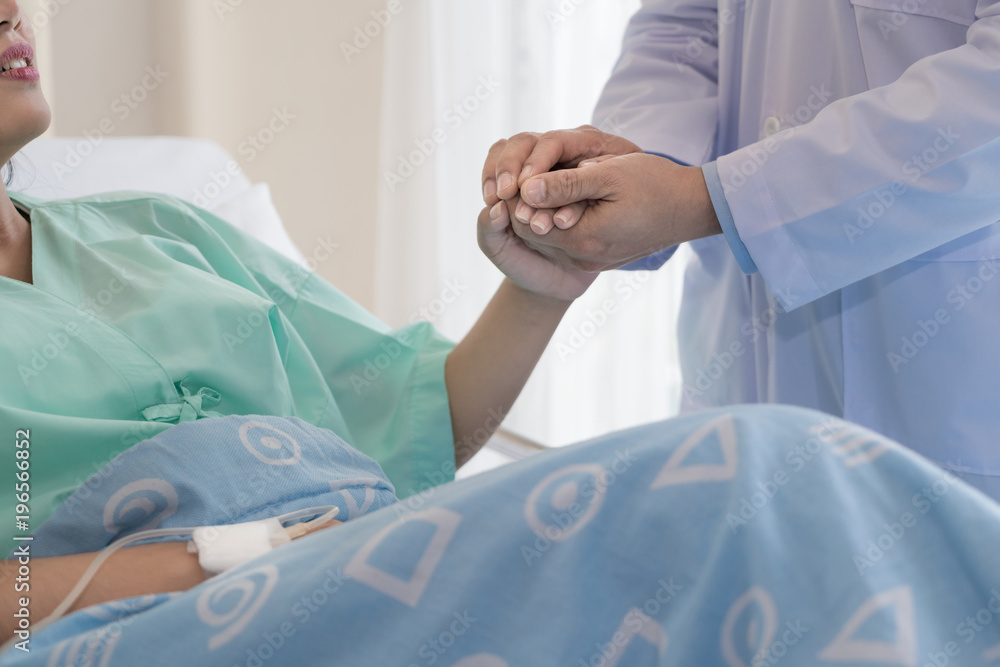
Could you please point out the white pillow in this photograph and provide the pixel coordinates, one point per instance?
(196, 170)
(253, 211)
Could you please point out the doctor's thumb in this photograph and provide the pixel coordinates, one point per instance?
(562, 188)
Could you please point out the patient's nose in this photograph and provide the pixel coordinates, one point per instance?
(10, 14)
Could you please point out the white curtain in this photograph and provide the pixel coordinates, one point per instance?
(458, 76)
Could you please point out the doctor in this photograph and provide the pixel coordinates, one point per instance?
(849, 153)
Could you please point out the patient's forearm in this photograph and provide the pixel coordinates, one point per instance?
(487, 370)
(130, 572)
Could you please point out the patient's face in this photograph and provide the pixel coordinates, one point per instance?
(24, 113)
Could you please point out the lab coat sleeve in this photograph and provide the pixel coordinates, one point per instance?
(725, 215)
(877, 178)
(663, 93)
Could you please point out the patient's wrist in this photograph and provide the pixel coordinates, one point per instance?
(149, 569)
(533, 299)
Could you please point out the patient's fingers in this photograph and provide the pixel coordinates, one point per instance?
(491, 228)
(494, 218)
(489, 180)
(537, 240)
(541, 221)
(510, 164)
(522, 212)
(568, 216)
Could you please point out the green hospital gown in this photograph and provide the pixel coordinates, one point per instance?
(146, 312)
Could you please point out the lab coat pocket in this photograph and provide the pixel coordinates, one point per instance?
(956, 11)
(894, 34)
(921, 359)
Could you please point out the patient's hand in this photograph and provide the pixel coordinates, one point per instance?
(532, 270)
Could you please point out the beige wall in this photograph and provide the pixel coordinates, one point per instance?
(227, 73)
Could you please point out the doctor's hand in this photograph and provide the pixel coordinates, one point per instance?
(513, 161)
(531, 270)
(641, 204)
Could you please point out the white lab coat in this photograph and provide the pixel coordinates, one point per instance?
(858, 145)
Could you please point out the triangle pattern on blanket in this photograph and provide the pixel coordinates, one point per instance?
(719, 434)
(408, 591)
(853, 645)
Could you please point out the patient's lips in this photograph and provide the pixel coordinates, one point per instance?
(18, 63)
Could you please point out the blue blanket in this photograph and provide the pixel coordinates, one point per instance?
(750, 536)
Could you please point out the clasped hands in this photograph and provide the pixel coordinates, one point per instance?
(565, 205)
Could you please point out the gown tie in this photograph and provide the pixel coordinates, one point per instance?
(191, 408)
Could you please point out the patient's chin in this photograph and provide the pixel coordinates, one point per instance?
(24, 122)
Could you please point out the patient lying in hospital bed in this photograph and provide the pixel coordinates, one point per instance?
(735, 538)
(163, 369)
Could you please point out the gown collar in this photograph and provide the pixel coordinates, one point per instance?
(158, 397)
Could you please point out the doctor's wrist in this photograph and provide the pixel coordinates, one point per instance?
(699, 215)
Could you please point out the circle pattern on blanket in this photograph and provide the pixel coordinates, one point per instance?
(756, 612)
(566, 500)
(142, 504)
(220, 608)
(271, 445)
